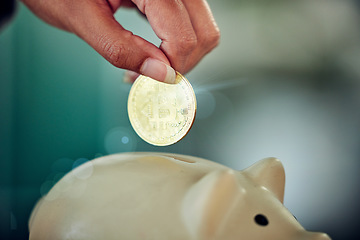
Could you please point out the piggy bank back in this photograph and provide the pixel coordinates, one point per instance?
(162, 196)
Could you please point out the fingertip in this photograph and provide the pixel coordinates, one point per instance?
(130, 77)
(158, 70)
(170, 75)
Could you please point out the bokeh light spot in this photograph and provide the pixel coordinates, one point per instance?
(79, 162)
(125, 140)
(205, 104)
(120, 139)
(83, 172)
(58, 176)
(45, 187)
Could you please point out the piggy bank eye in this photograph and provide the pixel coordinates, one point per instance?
(261, 220)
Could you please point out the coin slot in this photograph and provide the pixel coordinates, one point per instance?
(179, 158)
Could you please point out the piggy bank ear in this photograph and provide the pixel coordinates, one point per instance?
(208, 203)
(268, 173)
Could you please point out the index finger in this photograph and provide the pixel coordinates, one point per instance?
(171, 23)
(206, 30)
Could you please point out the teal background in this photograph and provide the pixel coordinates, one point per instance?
(49, 109)
(283, 82)
(59, 99)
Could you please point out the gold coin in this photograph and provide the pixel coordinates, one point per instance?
(160, 113)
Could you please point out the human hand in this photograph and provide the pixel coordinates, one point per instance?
(186, 28)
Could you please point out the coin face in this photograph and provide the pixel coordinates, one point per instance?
(160, 113)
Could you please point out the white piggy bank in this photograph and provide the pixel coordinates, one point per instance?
(161, 196)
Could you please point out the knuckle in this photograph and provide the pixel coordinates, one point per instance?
(186, 44)
(114, 52)
(210, 39)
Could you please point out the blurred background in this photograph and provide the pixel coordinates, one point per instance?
(284, 82)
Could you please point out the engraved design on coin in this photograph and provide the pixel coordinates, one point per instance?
(160, 113)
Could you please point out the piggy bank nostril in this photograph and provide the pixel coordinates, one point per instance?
(261, 220)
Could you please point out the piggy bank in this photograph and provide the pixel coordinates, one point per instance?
(162, 196)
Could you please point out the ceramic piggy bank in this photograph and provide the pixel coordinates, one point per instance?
(162, 196)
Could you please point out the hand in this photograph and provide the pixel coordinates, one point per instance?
(186, 28)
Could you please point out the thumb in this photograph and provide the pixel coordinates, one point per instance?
(121, 47)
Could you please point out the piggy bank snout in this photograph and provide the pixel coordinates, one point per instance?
(317, 236)
(322, 236)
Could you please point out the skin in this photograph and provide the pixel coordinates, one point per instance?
(186, 28)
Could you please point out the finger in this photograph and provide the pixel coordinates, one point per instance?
(97, 26)
(115, 4)
(171, 23)
(130, 77)
(205, 27)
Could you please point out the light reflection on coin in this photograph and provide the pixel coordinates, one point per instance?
(160, 113)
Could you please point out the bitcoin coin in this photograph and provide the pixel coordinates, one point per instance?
(160, 113)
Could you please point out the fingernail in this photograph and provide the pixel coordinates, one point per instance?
(130, 77)
(158, 70)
